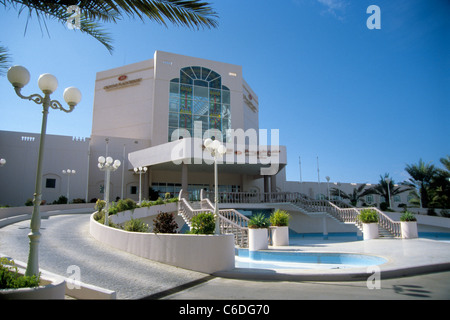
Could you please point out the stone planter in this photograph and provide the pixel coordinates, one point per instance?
(48, 290)
(409, 229)
(280, 236)
(258, 239)
(370, 231)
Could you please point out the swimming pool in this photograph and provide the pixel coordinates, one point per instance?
(272, 259)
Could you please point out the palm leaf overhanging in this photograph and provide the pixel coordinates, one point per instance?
(194, 14)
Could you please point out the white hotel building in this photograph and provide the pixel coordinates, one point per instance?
(140, 112)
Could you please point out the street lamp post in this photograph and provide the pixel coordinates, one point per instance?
(19, 77)
(217, 150)
(140, 171)
(69, 173)
(388, 182)
(109, 165)
(2, 162)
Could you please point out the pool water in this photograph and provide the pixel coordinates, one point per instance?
(303, 260)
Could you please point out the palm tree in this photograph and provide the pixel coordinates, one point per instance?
(189, 13)
(354, 197)
(421, 177)
(385, 189)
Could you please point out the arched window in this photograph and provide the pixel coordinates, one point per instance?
(199, 96)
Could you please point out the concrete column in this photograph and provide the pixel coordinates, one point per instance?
(184, 180)
(266, 188)
(325, 228)
(273, 183)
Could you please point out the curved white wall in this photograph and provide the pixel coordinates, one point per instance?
(203, 253)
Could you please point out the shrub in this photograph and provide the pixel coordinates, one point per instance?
(445, 213)
(258, 221)
(165, 223)
(125, 204)
(203, 223)
(61, 200)
(136, 225)
(368, 216)
(407, 216)
(279, 218)
(78, 200)
(11, 279)
(99, 205)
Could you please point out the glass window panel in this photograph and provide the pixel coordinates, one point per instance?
(216, 83)
(205, 73)
(173, 119)
(201, 107)
(174, 88)
(212, 75)
(185, 121)
(201, 93)
(226, 96)
(174, 105)
(226, 112)
(176, 80)
(185, 105)
(197, 72)
(204, 121)
(186, 91)
(189, 72)
(201, 83)
(215, 123)
(184, 78)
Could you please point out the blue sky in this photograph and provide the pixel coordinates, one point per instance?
(366, 102)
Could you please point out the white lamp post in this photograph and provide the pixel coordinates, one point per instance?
(140, 171)
(328, 187)
(19, 77)
(388, 182)
(109, 165)
(2, 162)
(69, 173)
(217, 150)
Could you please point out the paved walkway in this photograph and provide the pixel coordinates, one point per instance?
(66, 241)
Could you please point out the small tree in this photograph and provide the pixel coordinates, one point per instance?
(165, 223)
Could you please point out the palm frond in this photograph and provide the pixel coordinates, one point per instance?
(5, 60)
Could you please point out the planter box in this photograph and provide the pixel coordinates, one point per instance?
(49, 290)
(370, 231)
(280, 236)
(258, 239)
(409, 229)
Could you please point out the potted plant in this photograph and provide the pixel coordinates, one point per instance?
(408, 223)
(258, 234)
(279, 221)
(369, 219)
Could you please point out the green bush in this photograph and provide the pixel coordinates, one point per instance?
(407, 216)
(126, 204)
(368, 216)
(136, 225)
(203, 223)
(279, 218)
(258, 221)
(11, 279)
(165, 223)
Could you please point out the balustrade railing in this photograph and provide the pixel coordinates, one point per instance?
(338, 209)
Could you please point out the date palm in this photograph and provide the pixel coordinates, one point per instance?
(387, 190)
(422, 175)
(357, 194)
(193, 14)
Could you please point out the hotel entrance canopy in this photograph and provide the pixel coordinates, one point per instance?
(241, 159)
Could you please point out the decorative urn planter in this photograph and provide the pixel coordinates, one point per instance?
(370, 231)
(409, 229)
(258, 239)
(408, 223)
(280, 236)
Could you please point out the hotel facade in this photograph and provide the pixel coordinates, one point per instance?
(156, 114)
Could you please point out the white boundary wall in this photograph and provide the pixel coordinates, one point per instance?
(202, 253)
